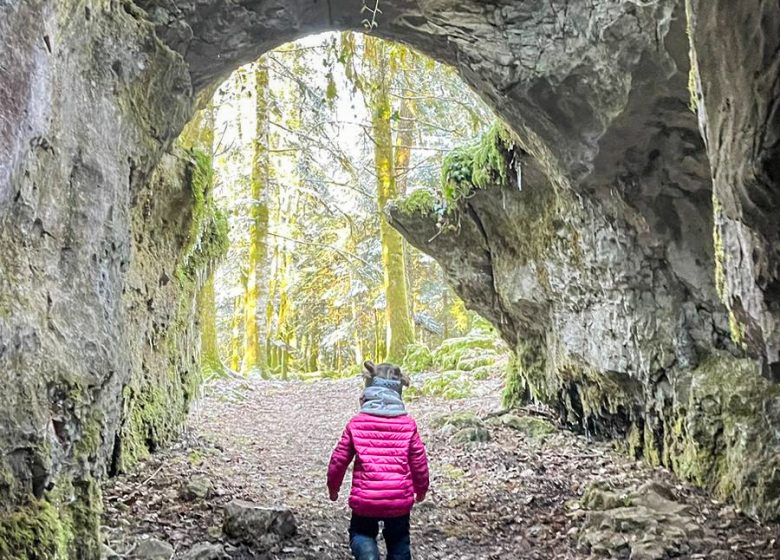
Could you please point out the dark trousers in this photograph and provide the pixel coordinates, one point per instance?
(364, 530)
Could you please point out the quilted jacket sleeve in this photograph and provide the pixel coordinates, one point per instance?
(340, 459)
(418, 463)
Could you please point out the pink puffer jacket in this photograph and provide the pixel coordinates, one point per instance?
(390, 465)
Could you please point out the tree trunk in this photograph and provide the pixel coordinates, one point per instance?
(400, 332)
(404, 140)
(236, 336)
(254, 330)
(210, 363)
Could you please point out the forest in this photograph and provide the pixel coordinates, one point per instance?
(306, 146)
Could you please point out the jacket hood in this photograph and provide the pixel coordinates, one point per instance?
(383, 398)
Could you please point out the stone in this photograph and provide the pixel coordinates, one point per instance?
(152, 549)
(644, 523)
(475, 434)
(198, 487)
(466, 419)
(205, 551)
(519, 258)
(531, 426)
(257, 526)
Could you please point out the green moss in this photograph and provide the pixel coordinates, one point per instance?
(418, 358)
(718, 434)
(527, 364)
(207, 241)
(85, 513)
(152, 417)
(458, 420)
(478, 165)
(451, 385)
(693, 72)
(719, 250)
(634, 442)
(531, 426)
(421, 201)
(651, 449)
(452, 350)
(34, 531)
(736, 329)
(482, 373)
(469, 362)
(65, 524)
(154, 404)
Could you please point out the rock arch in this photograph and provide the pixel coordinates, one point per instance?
(95, 340)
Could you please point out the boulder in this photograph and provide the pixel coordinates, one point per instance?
(474, 434)
(197, 487)
(645, 523)
(205, 551)
(531, 426)
(257, 526)
(151, 548)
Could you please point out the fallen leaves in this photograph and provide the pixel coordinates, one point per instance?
(515, 496)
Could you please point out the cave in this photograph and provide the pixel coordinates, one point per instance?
(631, 260)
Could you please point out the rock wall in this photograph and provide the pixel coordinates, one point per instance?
(736, 82)
(606, 326)
(97, 349)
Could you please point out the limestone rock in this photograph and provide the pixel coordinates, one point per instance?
(597, 264)
(465, 419)
(152, 549)
(531, 426)
(257, 526)
(205, 551)
(197, 487)
(475, 434)
(643, 523)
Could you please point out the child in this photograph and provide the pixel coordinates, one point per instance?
(391, 469)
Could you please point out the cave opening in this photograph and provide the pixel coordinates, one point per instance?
(613, 265)
(306, 146)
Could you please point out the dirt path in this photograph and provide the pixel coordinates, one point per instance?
(505, 499)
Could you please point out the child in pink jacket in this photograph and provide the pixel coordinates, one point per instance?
(390, 471)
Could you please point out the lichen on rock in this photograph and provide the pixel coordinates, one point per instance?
(156, 398)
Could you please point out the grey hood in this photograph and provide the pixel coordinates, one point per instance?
(383, 398)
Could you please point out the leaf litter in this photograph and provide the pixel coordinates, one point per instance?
(514, 496)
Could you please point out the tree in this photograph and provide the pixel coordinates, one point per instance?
(255, 359)
(400, 328)
(332, 149)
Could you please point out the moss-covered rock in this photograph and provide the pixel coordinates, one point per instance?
(63, 524)
(418, 358)
(466, 419)
(721, 433)
(482, 373)
(473, 434)
(451, 385)
(420, 201)
(531, 426)
(475, 359)
(34, 531)
(450, 352)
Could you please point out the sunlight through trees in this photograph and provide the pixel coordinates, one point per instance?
(310, 144)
